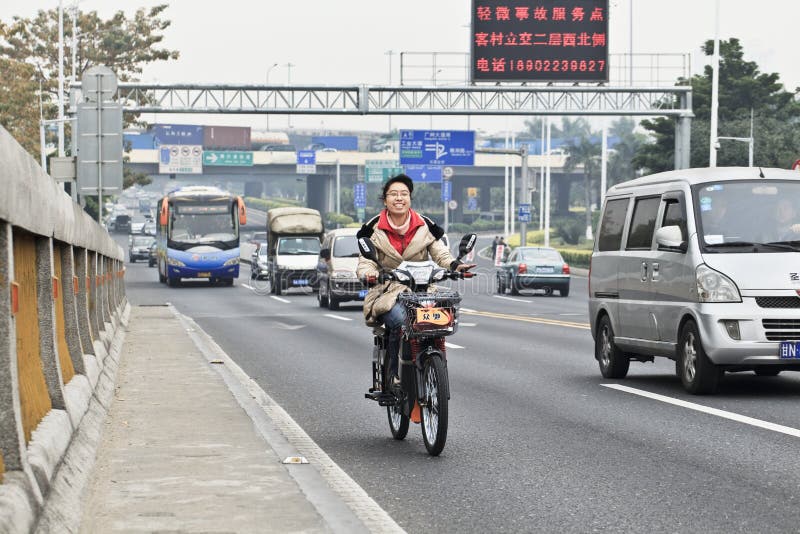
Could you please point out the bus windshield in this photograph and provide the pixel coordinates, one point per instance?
(208, 223)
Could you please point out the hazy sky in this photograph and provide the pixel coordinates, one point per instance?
(345, 42)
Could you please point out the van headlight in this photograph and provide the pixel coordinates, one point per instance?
(713, 286)
(232, 261)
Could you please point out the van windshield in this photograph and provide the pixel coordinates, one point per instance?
(345, 247)
(298, 246)
(748, 216)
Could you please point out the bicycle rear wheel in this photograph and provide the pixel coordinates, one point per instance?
(434, 405)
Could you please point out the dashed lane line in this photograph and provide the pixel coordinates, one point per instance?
(707, 409)
(510, 298)
(452, 346)
(339, 317)
(281, 299)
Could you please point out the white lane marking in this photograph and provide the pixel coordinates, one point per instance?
(248, 287)
(569, 314)
(281, 300)
(510, 298)
(712, 411)
(470, 310)
(467, 324)
(339, 317)
(452, 346)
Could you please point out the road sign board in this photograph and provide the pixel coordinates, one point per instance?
(180, 159)
(306, 157)
(99, 147)
(431, 174)
(380, 170)
(472, 203)
(447, 191)
(472, 192)
(524, 214)
(306, 168)
(360, 195)
(228, 158)
(448, 172)
(437, 147)
(452, 204)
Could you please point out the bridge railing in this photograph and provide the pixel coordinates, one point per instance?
(62, 301)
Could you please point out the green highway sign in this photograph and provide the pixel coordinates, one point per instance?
(380, 170)
(228, 158)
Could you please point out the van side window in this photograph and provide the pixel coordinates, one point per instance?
(610, 236)
(643, 222)
(674, 215)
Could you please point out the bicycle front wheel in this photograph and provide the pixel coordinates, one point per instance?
(434, 405)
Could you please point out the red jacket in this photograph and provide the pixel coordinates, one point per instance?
(399, 242)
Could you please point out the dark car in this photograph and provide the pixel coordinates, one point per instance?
(139, 247)
(534, 268)
(152, 255)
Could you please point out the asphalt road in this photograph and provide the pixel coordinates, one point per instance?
(538, 441)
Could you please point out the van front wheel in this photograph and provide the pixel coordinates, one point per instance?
(613, 362)
(698, 375)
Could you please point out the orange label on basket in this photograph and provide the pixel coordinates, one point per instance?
(433, 316)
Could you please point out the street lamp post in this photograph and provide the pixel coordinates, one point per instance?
(289, 66)
(267, 80)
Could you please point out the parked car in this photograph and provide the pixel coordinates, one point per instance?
(534, 268)
(259, 264)
(152, 254)
(139, 247)
(699, 266)
(336, 269)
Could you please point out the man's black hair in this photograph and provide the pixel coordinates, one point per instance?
(402, 178)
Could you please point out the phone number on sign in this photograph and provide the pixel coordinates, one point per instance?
(549, 65)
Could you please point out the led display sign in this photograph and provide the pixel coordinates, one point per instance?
(539, 41)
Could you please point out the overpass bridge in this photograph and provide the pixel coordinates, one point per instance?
(488, 172)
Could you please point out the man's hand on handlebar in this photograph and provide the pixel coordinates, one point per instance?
(465, 266)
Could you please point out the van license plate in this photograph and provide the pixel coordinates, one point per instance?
(203, 275)
(789, 350)
(301, 282)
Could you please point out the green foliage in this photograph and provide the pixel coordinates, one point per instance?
(576, 257)
(570, 229)
(459, 228)
(267, 204)
(742, 87)
(337, 220)
(484, 225)
(19, 103)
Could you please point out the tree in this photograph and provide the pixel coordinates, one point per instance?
(620, 163)
(29, 56)
(19, 106)
(742, 87)
(583, 151)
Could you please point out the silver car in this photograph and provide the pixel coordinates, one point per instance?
(701, 266)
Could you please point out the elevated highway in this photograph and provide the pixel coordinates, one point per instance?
(270, 166)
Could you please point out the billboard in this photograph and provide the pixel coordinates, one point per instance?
(554, 41)
(437, 147)
(180, 159)
(177, 134)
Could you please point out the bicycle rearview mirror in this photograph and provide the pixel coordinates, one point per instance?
(466, 245)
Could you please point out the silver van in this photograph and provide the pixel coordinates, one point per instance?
(701, 266)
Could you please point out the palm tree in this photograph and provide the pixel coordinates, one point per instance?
(583, 152)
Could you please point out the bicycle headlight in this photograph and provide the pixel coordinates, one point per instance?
(713, 286)
(175, 262)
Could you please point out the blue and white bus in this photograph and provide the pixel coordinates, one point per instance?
(198, 235)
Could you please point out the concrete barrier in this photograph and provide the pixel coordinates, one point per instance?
(62, 302)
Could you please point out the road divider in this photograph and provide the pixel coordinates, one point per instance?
(526, 319)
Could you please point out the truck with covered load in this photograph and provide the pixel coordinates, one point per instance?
(293, 241)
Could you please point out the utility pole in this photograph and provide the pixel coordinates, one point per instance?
(713, 141)
(60, 79)
(525, 193)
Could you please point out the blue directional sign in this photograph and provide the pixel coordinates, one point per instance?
(437, 147)
(306, 157)
(524, 214)
(431, 174)
(360, 195)
(447, 191)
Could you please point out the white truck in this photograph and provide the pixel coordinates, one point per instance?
(293, 240)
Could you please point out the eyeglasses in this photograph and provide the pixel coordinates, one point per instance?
(401, 194)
